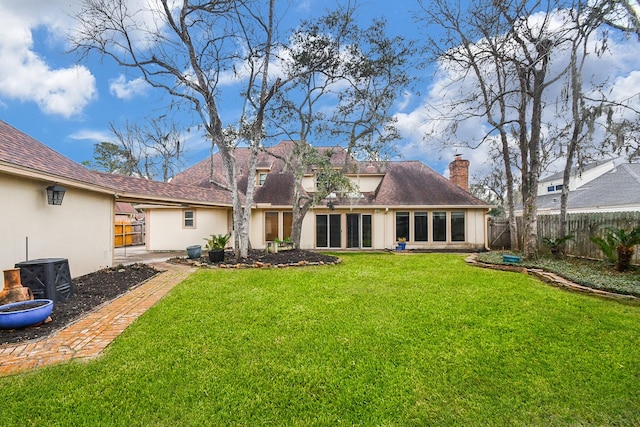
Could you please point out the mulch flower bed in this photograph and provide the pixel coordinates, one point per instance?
(90, 291)
(262, 259)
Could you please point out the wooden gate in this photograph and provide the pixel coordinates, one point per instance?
(129, 233)
(499, 234)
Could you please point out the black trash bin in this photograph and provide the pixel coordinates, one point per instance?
(48, 278)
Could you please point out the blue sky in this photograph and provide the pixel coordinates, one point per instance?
(68, 105)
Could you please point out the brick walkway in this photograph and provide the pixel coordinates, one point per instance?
(87, 337)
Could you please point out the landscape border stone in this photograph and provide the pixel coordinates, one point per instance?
(550, 278)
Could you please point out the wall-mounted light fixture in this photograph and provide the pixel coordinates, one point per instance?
(55, 194)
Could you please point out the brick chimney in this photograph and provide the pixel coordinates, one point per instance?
(459, 172)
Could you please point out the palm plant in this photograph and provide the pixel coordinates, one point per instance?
(618, 245)
(217, 242)
(555, 245)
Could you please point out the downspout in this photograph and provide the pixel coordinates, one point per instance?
(386, 211)
(486, 230)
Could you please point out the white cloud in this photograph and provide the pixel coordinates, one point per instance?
(304, 6)
(26, 76)
(123, 89)
(405, 101)
(92, 135)
(194, 140)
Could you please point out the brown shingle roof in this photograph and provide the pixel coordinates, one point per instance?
(406, 183)
(414, 183)
(403, 183)
(125, 208)
(139, 189)
(277, 190)
(20, 150)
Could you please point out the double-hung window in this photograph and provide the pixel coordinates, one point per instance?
(402, 225)
(457, 226)
(439, 226)
(189, 219)
(421, 226)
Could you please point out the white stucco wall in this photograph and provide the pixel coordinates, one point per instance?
(365, 184)
(383, 229)
(165, 227)
(81, 229)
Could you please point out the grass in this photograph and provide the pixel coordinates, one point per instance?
(587, 272)
(381, 339)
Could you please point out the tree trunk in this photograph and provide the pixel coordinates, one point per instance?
(513, 226)
(578, 117)
(296, 226)
(624, 257)
(530, 183)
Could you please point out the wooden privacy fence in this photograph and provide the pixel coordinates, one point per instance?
(129, 233)
(581, 226)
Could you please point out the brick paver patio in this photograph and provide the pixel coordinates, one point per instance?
(87, 337)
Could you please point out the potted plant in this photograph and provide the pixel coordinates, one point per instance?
(288, 242)
(402, 243)
(280, 245)
(194, 251)
(215, 245)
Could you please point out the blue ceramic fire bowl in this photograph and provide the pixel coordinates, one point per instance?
(35, 311)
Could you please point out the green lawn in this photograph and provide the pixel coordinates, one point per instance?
(381, 339)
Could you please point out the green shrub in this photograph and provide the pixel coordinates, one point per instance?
(618, 245)
(555, 245)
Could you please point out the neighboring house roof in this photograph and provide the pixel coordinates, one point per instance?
(576, 170)
(618, 189)
(22, 155)
(125, 208)
(404, 183)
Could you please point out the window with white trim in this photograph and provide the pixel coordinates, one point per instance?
(189, 219)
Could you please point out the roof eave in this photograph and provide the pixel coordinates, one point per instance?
(15, 170)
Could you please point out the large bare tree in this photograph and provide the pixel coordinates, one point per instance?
(505, 50)
(152, 150)
(333, 64)
(189, 49)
